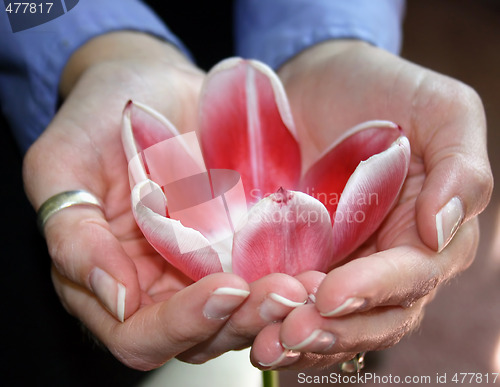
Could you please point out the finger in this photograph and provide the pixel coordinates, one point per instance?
(95, 260)
(395, 277)
(271, 299)
(268, 353)
(305, 330)
(311, 280)
(459, 181)
(157, 332)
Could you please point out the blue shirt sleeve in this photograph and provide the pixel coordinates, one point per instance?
(276, 30)
(32, 61)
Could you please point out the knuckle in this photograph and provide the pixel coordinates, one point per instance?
(461, 94)
(483, 185)
(239, 332)
(66, 253)
(58, 251)
(478, 188)
(121, 341)
(133, 359)
(466, 95)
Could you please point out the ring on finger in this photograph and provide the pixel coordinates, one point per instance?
(354, 365)
(63, 200)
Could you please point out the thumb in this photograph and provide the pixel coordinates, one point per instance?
(458, 182)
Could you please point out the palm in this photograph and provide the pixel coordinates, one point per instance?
(158, 280)
(362, 87)
(89, 125)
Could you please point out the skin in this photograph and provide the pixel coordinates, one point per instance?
(81, 149)
(399, 269)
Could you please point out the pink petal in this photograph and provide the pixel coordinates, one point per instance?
(144, 127)
(246, 125)
(185, 248)
(287, 232)
(154, 148)
(211, 203)
(326, 178)
(368, 196)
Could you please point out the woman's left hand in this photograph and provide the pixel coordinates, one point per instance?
(378, 296)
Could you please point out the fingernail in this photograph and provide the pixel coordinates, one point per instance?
(350, 305)
(448, 219)
(274, 307)
(223, 302)
(109, 291)
(286, 358)
(317, 341)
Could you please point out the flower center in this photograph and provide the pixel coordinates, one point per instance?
(282, 196)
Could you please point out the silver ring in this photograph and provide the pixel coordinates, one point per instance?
(64, 200)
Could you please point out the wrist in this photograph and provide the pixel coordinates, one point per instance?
(124, 47)
(321, 52)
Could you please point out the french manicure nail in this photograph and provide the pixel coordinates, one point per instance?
(109, 291)
(317, 341)
(223, 301)
(275, 306)
(350, 305)
(287, 357)
(448, 219)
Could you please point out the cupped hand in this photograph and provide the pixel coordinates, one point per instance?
(105, 272)
(378, 295)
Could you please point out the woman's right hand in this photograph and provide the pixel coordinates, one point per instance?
(105, 272)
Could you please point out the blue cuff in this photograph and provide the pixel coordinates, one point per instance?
(32, 61)
(276, 30)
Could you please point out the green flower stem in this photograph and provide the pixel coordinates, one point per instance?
(271, 378)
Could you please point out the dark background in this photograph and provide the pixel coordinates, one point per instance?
(41, 345)
(205, 27)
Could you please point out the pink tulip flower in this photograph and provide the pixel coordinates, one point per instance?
(236, 196)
